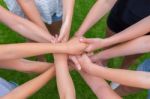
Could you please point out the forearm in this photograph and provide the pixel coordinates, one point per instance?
(139, 29)
(99, 86)
(125, 77)
(24, 27)
(27, 89)
(30, 10)
(65, 84)
(64, 81)
(136, 46)
(26, 66)
(13, 51)
(68, 9)
(100, 8)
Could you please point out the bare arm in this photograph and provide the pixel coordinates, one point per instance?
(99, 86)
(24, 27)
(136, 46)
(65, 84)
(26, 66)
(64, 81)
(100, 8)
(30, 10)
(68, 9)
(126, 77)
(138, 29)
(13, 51)
(27, 89)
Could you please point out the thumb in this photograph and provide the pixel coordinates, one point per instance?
(86, 40)
(61, 36)
(89, 48)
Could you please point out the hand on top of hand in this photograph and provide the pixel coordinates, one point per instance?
(93, 43)
(74, 46)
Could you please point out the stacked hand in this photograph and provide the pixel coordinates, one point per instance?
(92, 44)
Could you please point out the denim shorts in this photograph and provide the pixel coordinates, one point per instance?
(6, 87)
(145, 66)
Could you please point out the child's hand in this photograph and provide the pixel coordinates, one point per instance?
(64, 31)
(85, 63)
(93, 43)
(74, 62)
(74, 46)
(52, 39)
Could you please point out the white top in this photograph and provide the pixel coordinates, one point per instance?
(47, 8)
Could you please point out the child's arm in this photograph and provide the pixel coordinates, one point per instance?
(30, 87)
(65, 84)
(99, 86)
(68, 9)
(139, 29)
(100, 8)
(30, 10)
(26, 66)
(136, 46)
(24, 27)
(126, 77)
(13, 51)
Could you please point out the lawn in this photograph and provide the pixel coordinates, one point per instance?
(50, 90)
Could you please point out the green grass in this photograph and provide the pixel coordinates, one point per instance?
(50, 90)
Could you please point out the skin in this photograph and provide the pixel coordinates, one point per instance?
(101, 7)
(14, 51)
(99, 87)
(24, 50)
(139, 29)
(26, 66)
(24, 27)
(30, 10)
(27, 89)
(67, 18)
(130, 78)
(124, 49)
(61, 64)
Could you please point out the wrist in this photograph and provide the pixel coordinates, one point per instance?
(79, 33)
(106, 42)
(111, 41)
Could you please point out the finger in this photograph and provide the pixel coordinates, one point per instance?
(56, 35)
(60, 38)
(89, 49)
(76, 62)
(86, 40)
(85, 57)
